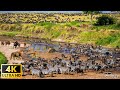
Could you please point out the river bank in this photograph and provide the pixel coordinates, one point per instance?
(71, 32)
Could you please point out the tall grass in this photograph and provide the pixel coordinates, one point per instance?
(106, 27)
(113, 40)
(102, 35)
(10, 34)
(76, 23)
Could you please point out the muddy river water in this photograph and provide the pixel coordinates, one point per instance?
(40, 44)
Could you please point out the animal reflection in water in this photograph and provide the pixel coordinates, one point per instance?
(16, 55)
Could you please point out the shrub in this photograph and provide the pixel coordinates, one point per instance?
(3, 59)
(105, 20)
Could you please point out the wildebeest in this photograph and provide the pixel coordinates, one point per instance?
(16, 44)
(16, 55)
(7, 43)
(42, 75)
(2, 43)
(78, 70)
(24, 44)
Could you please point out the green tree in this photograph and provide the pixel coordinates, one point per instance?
(105, 20)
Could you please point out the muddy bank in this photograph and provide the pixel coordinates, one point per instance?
(7, 50)
(33, 39)
(88, 75)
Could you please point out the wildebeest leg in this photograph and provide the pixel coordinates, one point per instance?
(82, 72)
(11, 57)
(96, 70)
(15, 58)
(41, 75)
(19, 58)
(15, 47)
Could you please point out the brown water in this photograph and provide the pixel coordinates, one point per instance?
(41, 45)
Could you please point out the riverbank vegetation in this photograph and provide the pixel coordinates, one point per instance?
(3, 59)
(74, 31)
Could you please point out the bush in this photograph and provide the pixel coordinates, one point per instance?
(3, 59)
(105, 20)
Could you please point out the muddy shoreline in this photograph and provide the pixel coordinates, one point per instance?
(30, 40)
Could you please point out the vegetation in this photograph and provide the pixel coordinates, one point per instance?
(113, 39)
(105, 20)
(10, 34)
(3, 59)
(101, 31)
(91, 13)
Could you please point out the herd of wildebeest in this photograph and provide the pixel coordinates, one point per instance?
(41, 17)
(99, 60)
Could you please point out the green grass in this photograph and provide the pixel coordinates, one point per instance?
(90, 36)
(106, 27)
(116, 43)
(76, 23)
(10, 34)
(101, 35)
(48, 25)
(112, 40)
(45, 23)
(3, 59)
